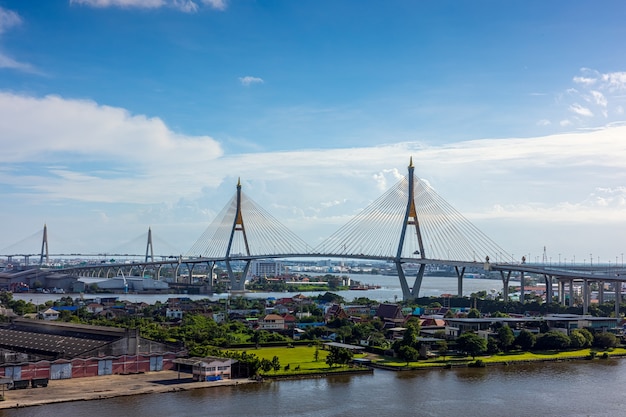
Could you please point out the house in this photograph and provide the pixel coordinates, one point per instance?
(272, 322)
(49, 314)
(290, 321)
(208, 368)
(94, 308)
(335, 311)
(390, 314)
(174, 313)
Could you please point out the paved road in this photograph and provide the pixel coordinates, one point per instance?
(94, 388)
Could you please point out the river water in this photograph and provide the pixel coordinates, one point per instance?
(585, 388)
(389, 290)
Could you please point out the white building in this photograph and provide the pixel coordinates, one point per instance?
(269, 268)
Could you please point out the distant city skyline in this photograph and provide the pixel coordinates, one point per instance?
(119, 115)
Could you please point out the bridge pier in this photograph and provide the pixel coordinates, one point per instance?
(585, 296)
(618, 299)
(600, 292)
(548, 280)
(459, 277)
(505, 285)
(239, 283)
(409, 293)
(522, 297)
(190, 273)
(571, 293)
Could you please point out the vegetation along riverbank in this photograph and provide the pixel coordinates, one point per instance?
(300, 336)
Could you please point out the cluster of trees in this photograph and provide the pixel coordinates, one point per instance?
(338, 356)
(474, 345)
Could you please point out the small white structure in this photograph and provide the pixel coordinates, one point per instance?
(174, 313)
(211, 369)
(50, 314)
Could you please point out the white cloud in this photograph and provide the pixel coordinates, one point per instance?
(188, 6)
(598, 98)
(601, 94)
(10, 63)
(129, 147)
(544, 122)
(249, 80)
(565, 123)
(100, 170)
(580, 110)
(586, 81)
(216, 4)
(144, 4)
(615, 81)
(8, 19)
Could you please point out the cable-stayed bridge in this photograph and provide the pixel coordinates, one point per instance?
(410, 223)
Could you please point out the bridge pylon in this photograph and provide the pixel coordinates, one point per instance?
(44, 246)
(410, 219)
(237, 283)
(149, 247)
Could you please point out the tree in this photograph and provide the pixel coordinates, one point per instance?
(471, 344)
(408, 353)
(525, 340)
(442, 348)
(410, 336)
(588, 335)
(552, 340)
(493, 345)
(578, 340)
(505, 337)
(266, 365)
(473, 314)
(605, 340)
(276, 364)
(258, 337)
(338, 356)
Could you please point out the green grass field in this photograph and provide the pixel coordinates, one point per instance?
(301, 360)
(510, 357)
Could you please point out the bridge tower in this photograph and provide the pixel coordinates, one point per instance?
(149, 247)
(237, 283)
(44, 246)
(410, 219)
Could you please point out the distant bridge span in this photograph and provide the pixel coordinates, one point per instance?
(410, 223)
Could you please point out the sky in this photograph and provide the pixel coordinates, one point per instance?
(120, 115)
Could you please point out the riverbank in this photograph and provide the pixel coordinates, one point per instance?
(100, 387)
(501, 359)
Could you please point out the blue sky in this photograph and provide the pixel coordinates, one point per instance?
(117, 115)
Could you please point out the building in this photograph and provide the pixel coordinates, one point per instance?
(272, 322)
(263, 268)
(33, 349)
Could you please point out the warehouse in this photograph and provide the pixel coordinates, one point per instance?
(34, 349)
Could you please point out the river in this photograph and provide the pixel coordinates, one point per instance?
(584, 388)
(389, 290)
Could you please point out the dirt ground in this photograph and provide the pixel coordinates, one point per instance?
(93, 388)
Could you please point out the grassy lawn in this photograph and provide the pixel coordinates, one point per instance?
(299, 356)
(508, 357)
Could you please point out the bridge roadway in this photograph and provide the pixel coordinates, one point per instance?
(563, 275)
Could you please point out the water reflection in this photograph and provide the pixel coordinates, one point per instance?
(579, 388)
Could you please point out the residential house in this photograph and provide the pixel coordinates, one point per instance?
(272, 322)
(390, 314)
(335, 311)
(49, 314)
